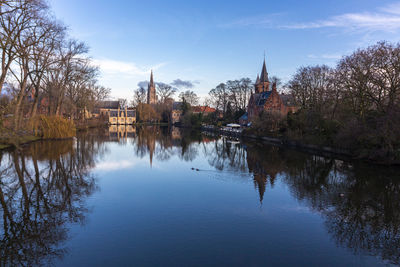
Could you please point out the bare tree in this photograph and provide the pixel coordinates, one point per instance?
(369, 78)
(190, 97)
(16, 18)
(165, 91)
(139, 96)
(219, 95)
(310, 86)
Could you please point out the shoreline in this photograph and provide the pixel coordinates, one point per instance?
(15, 142)
(308, 148)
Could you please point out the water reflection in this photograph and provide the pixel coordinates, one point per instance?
(360, 204)
(43, 187)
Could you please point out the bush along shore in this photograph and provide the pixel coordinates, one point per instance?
(37, 128)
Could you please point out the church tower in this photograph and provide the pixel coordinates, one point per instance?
(262, 83)
(151, 91)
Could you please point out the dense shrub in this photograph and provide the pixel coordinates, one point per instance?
(53, 127)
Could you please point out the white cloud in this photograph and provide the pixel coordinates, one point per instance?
(110, 66)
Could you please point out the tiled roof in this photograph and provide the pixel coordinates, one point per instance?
(198, 109)
(108, 104)
(261, 98)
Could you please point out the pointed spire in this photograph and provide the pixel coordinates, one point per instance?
(151, 78)
(258, 79)
(264, 73)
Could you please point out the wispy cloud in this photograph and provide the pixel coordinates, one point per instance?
(110, 66)
(385, 19)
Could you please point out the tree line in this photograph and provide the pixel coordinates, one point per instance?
(43, 69)
(355, 105)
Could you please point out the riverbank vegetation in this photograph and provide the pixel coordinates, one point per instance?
(353, 106)
(44, 72)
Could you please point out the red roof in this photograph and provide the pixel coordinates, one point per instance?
(205, 109)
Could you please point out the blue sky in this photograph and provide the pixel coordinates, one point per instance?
(210, 41)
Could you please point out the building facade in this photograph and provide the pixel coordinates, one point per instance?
(116, 115)
(266, 99)
(151, 91)
(176, 112)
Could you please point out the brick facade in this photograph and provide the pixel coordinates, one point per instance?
(264, 99)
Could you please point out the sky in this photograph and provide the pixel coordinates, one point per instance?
(199, 44)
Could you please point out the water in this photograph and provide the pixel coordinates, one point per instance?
(156, 196)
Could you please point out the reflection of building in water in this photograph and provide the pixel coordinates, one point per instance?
(176, 133)
(117, 132)
(264, 169)
(151, 145)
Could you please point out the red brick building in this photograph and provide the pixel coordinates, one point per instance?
(203, 109)
(264, 99)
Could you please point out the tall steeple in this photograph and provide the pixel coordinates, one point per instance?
(151, 91)
(264, 73)
(263, 83)
(151, 78)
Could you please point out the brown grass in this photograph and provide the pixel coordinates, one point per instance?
(53, 127)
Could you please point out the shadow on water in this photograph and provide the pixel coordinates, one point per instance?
(43, 188)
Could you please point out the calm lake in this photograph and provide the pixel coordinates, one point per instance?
(151, 196)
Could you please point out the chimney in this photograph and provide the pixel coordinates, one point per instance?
(274, 87)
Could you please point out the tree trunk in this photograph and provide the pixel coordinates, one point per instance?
(21, 96)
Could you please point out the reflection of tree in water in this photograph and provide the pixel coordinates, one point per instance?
(227, 155)
(42, 188)
(360, 203)
(164, 142)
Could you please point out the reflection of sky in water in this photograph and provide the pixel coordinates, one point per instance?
(188, 200)
(166, 213)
